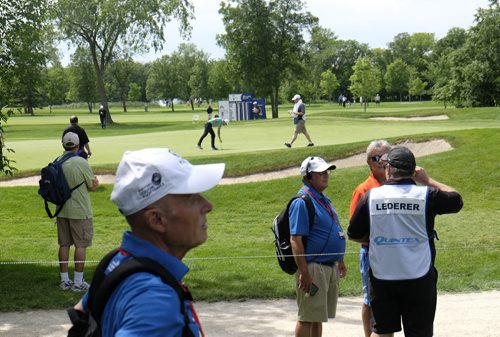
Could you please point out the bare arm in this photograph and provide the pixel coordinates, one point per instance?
(218, 133)
(95, 184)
(423, 178)
(305, 279)
(87, 147)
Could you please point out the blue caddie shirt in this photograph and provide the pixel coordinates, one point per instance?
(326, 235)
(142, 305)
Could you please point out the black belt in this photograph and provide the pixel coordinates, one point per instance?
(329, 264)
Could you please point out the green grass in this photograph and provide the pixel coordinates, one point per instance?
(237, 261)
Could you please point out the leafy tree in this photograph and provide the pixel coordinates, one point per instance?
(468, 76)
(318, 58)
(134, 92)
(83, 82)
(365, 79)
(120, 72)
(169, 76)
(344, 56)
(264, 43)
(328, 84)
(57, 84)
(198, 81)
(416, 86)
(220, 77)
(454, 39)
(24, 44)
(108, 26)
(397, 77)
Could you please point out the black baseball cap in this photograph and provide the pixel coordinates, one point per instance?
(400, 157)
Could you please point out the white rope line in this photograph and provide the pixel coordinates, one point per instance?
(217, 258)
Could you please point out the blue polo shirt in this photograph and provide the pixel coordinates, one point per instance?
(142, 305)
(326, 235)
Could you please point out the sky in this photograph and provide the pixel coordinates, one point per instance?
(374, 22)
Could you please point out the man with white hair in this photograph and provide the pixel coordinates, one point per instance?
(159, 193)
(299, 119)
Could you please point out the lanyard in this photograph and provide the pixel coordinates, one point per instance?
(328, 208)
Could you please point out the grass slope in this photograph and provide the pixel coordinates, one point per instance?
(237, 261)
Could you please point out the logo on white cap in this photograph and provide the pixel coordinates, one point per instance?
(147, 175)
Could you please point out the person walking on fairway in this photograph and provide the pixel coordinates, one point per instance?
(374, 152)
(299, 119)
(209, 129)
(397, 219)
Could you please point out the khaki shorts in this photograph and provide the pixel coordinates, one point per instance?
(78, 232)
(300, 127)
(323, 305)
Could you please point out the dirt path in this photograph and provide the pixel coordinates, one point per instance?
(458, 315)
(419, 149)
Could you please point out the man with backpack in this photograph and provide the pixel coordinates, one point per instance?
(74, 221)
(159, 193)
(318, 250)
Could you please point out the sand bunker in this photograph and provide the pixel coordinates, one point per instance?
(427, 118)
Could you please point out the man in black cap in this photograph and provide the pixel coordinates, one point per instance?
(397, 219)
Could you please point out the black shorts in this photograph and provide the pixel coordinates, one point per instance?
(410, 301)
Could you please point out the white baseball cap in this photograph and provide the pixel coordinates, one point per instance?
(147, 175)
(70, 139)
(315, 164)
(297, 96)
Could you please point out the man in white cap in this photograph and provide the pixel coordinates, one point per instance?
(74, 221)
(158, 192)
(299, 119)
(102, 116)
(318, 250)
(256, 110)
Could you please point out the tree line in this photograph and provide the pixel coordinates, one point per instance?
(266, 54)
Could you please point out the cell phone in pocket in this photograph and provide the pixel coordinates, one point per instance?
(314, 289)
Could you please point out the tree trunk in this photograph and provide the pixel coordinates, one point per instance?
(124, 104)
(274, 103)
(99, 70)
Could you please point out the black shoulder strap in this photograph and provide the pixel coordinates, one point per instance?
(103, 286)
(309, 205)
(60, 207)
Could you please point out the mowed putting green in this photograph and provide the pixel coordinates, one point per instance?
(138, 130)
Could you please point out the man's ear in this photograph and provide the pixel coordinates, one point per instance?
(154, 220)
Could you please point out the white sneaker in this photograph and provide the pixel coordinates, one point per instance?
(66, 285)
(80, 287)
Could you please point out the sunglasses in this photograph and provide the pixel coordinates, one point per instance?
(375, 158)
